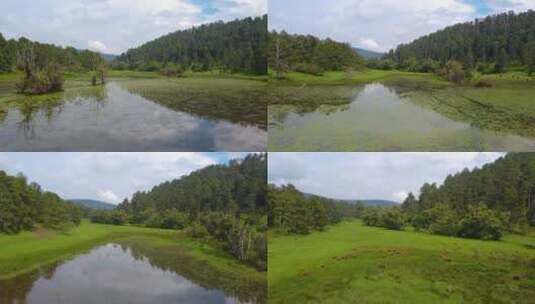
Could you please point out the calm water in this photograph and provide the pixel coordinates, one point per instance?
(109, 274)
(116, 119)
(378, 119)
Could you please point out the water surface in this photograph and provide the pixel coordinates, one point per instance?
(112, 274)
(380, 119)
(117, 118)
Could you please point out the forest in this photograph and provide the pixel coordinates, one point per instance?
(483, 203)
(25, 206)
(44, 65)
(236, 46)
(291, 212)
(489, 45)
(224, 202)
(309, 54)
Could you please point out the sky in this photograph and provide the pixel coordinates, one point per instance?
(380, 25)
(114, 26)
(389, 176)
(109, 177)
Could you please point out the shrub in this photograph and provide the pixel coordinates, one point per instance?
(172, 71)
(392, 218)
(480, 222)
(443, 220)
(309, 68)
(197, 230)
(483, 84)
(40, 82)
(371, 217)
(453, 71)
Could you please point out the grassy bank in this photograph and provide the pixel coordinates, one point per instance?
(352, 263)
(30, 250)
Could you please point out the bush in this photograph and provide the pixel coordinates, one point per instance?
(40, 82)
(483, 84)
(392, 218)
(172, 71)
(453, 71)
(197, 230)
(309, 68)
(480, 222)
(371, 217)
(443, 220)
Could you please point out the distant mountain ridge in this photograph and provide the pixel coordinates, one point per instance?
(367, 54)
(108, 57)
(93, 204)
(367, 202)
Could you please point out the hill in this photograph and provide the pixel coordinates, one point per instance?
(367, 54)
(108, 57)
(238, 46)
(505, 38)
(366, 202)
(93, 204)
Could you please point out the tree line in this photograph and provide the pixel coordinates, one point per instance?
(224, 202)
(309, 54)
(43, 64)
(291, 211)
(236, 46)
(25, 206)
(488, 45)
(482, 203)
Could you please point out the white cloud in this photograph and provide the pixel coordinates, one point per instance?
(510, 5)
(369, 44)
(109, 196)
(368, 175)
(98, 46)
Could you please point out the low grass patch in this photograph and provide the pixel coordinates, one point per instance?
(352, 263)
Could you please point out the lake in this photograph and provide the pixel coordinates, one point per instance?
(116, 273)
(138, 115)
(379, 118)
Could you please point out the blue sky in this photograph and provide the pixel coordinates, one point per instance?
(380, 25)
(388, 176)
(106, 176)
(113, 26)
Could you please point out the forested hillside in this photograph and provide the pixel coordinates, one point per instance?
(226, 202)
(291, 211)
(309, 54)
(479, 203)
(238, 46)
(24, 206)
(45, 56)
(502, 39)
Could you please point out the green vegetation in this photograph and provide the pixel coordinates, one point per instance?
(351, 262)
(25, 206)
(236, 46)
(292, 212)
(226, 203)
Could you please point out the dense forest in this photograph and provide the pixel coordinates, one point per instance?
(236, 46)
(492, 44)
(482, 203)
(25, 206)
(226, 202)
(43, 64)
(309, 54)
(290, 211)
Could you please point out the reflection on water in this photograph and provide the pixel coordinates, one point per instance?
(117, 274)
(379, 119)
(114, 118)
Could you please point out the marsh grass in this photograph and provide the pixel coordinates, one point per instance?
(352, 263)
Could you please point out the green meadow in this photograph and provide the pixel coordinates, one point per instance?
(353, 263)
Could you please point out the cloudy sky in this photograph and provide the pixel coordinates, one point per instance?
(380, 25)
(106, 176)
(388, 176)
(113, 26)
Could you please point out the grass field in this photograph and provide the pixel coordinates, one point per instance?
(352, 263)
(29, 250)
